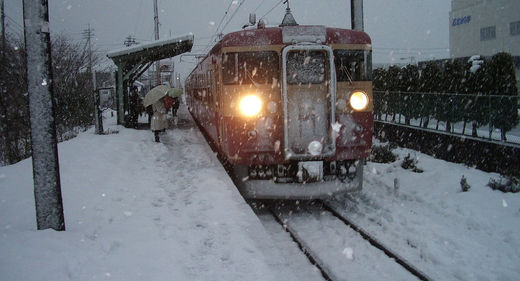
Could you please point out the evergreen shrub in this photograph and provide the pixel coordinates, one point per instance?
(382, 154)
(410, 163)
(505, 184)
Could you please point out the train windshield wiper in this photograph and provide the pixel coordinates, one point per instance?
(344, 69)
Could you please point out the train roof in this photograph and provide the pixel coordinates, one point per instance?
(293, 34)
(290, 35)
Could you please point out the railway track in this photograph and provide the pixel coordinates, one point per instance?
(337, 247)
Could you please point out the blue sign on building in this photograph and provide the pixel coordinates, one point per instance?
(461, 20)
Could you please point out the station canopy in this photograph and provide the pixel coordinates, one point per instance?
(135, 60)
(150, 52)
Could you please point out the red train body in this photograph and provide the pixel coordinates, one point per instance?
(289, 107)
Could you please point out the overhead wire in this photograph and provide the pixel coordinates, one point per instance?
(274, 7)
(233, 15)
(224, 16)
(219, 24)
(254, 11)
(218, 30)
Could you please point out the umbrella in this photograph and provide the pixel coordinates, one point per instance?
(175, 92)
(155, 94)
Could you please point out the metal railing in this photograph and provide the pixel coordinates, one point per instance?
(492, 117)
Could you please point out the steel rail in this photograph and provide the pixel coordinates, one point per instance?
(313, 260)
(374, 242)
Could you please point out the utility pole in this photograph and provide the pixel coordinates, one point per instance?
(46, 173)
(98, 118)
(156, 30)
(3, 26)
(4, 130)
(356, 15)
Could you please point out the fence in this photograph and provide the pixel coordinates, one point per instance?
(493, 117)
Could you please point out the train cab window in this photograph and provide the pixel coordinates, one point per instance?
(250, 68)
(353, 65)
(304, 67)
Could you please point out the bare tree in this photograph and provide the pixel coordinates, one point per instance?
(72, 95)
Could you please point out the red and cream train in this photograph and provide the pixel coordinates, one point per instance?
(289, 107)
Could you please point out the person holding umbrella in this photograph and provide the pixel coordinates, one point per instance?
(155, 98)
(175, 93)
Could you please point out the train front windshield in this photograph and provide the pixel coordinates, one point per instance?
(304, 67)
(244, 68)
(353, 65)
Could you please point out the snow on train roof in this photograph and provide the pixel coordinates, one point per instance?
(294, 34)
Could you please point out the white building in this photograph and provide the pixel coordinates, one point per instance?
(485, 27)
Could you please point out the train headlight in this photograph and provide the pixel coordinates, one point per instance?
(250, 105)
(358, 100)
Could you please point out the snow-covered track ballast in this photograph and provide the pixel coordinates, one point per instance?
(374, 242)
(313, 259)
(338, 248)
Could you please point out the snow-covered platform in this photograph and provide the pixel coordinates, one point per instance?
(136, 210)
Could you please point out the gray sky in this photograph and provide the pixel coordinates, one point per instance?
(399, 29)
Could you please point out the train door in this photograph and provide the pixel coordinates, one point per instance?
(217, 105)
(309, 93)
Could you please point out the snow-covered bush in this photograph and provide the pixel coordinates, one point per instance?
(505, 184)
(464, 184)
(410, 163)
(382, 154)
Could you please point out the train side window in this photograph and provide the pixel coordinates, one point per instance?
(353, 65)
(229, 68)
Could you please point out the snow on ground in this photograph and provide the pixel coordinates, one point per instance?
(447, 233)
(135, 210)
(140, 210)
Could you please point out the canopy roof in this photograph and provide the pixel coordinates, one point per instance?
(154, 51)
(133, 61)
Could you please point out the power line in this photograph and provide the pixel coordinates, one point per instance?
(219, 24)
(268, 12)
(228, 21)
(224, 16)
(233, 15)
(259, 6)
